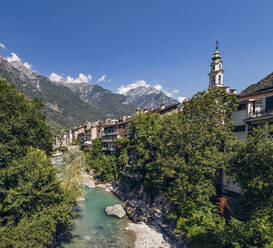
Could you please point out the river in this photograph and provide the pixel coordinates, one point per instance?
(94, 229)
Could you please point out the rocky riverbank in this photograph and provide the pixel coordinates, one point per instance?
(151, 224)
(151, 215)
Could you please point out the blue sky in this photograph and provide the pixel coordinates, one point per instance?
(162, 42)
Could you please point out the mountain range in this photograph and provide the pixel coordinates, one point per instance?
(70, 104)
(67, 105)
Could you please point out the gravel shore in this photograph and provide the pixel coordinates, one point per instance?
(147, 237)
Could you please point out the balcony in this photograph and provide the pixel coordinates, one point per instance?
(108, 149)
(106, 134)
(261, 114)
(108, 140)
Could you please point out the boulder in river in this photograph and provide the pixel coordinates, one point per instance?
(116, 210)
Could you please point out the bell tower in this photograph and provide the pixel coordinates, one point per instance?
(216, 71)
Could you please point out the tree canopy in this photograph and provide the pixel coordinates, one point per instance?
(182, 156)
(33, 202)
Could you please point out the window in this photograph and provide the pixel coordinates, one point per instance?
(213, 81)
(219, 79)
(269, 103)
(241, 128)
(241, 107)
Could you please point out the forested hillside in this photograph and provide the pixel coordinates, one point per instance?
(63, 108)
(262, 84)
(112, 104)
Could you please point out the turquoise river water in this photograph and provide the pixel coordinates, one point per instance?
(94, 229)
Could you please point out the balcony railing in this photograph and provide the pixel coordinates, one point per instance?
(106, 134)
(108, 148)
(261, 114)
(108, 140)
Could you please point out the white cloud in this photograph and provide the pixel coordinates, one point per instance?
(14, 57)
(170, 94)
(103, 79)
(123, 89)
(181, 99)
(158, 87)
(27, 65)
(80, 79)
(56, 77)
(2, 45)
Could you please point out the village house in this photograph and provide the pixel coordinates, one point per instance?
(112, 130)
(64, 139)
(255, 109)
(166, 109)
(96, 130)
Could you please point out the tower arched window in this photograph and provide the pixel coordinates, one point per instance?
(219, 79)
(213, 81)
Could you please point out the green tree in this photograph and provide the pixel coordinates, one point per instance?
(145, 147)
(72, 171)
(104, 165)
(33, 202)
(193, 152)
(22, 124)
(180, 155)
(251, 166)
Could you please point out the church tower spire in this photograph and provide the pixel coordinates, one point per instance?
(216, 71)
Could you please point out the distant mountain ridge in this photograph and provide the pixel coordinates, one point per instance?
(112, 104)
(71, 104)
(148, 97)
(262, 84)
(62, 107)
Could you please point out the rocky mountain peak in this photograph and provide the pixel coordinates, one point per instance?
(23, 69)
(148, 97)
(142, 90)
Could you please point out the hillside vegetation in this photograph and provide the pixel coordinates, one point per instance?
(262, 84)
(111, 104)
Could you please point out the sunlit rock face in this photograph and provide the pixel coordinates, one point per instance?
(148, 97)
